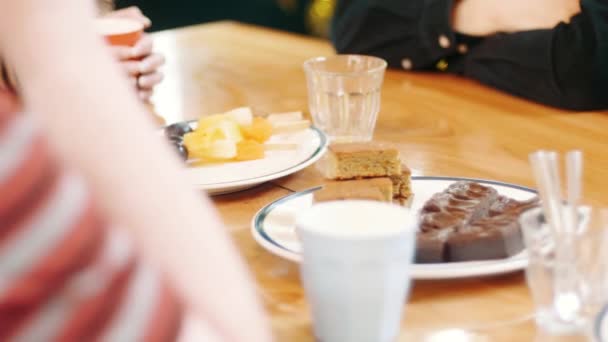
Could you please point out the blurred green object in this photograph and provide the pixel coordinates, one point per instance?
(287, 15)
(318, 17)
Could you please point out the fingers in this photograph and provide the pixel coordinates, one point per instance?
(144, 95)
(131, 67)
(133, 80)
(146, 66)
(151, 63)
(148, 82)
(121, 53)
(142, 48)
(132, 12)
(141, 65)
(144, 85)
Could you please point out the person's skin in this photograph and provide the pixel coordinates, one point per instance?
(140, 62)
(94, 122)
(487, 17)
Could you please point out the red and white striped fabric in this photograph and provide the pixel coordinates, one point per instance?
(64, 276)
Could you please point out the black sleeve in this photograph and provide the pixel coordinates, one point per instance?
(565, 67)
(415, 31)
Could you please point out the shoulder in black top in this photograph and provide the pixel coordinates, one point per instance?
(565, 67)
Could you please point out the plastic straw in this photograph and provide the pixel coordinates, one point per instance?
(541, 166)
(574, 172)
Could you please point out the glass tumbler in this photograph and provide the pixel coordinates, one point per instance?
(567, 272)
(344, 95)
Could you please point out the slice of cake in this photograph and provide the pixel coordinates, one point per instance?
(402, 183)
(375, 189)
(361, 160)
(469, 221)
(404, 201)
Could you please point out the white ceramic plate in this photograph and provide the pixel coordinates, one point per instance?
(235, 176)
(273, 228)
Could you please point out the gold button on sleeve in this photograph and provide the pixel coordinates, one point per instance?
(442, 65)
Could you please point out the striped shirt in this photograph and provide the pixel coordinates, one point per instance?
(64, 275)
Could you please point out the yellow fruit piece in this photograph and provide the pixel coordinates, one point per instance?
(220, 150)
(210, 121)
(193, 139)
(198, 140)
(219, 127)
(229, 129)
(260, 130)
(249, 150)
(243, 115)
(220, 138)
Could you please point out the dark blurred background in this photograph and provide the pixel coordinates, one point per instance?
(300, 16)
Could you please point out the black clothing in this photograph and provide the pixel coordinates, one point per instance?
(565, 67)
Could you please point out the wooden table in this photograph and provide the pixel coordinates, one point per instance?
(443, 125)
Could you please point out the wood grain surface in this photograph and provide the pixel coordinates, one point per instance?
(442, 124)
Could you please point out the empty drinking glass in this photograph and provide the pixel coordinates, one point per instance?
(568, 270)
(344, 95)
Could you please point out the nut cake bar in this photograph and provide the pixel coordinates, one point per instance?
(360, 160)
(376, 189)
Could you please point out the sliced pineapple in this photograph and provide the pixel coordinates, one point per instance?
(249, 150)
(238, 135)
(242, 116)
(260, 130)
(217, 127)
(219, 150)
(209, 121)
(230, 130)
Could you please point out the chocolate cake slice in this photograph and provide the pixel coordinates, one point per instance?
(469, 221)
(460, 204)
(488, 238)
(508, 206)
(431, 246)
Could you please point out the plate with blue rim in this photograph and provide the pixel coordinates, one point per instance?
(273, 228)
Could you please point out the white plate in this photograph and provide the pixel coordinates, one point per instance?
(601, 325)
(274, 229)
(235, 176)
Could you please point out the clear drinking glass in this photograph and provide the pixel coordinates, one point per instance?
(344, 95)
(567, 272)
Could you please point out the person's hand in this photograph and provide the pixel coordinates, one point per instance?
(142, 65)
(140, 62)
(131, 13)
(487, 17)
